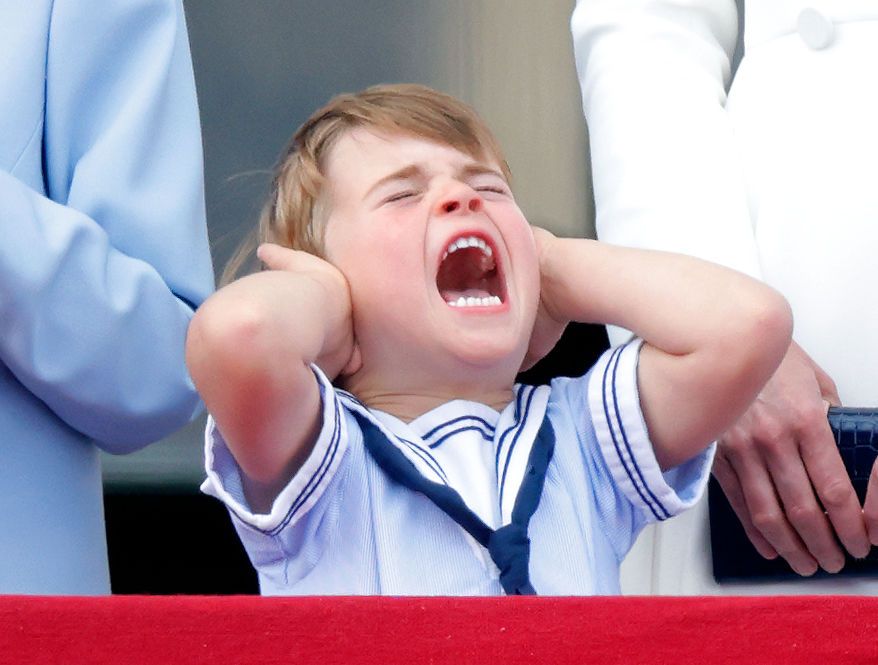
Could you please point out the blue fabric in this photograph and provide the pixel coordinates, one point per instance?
(510, 545)
(343, 525)
(104, 252)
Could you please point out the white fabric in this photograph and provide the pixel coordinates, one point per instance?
(341, 526)
(778, 180)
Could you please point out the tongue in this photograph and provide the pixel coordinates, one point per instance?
(468, 273)
(453, 294)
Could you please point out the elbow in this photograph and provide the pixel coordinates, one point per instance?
(769, 328)
(230, 340)
(742, 356)
(235, 349)
(752, 346)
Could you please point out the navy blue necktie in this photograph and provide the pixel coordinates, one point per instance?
(509, 546)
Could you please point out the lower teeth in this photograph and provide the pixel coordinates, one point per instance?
(464, 301)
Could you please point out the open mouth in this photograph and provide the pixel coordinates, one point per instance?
(468, 274)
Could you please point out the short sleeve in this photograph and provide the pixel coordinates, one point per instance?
(304, 490)
(623, 440)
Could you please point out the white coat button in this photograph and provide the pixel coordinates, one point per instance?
(815, 29)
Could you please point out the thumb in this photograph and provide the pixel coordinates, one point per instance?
(827, 387)
(828, 390)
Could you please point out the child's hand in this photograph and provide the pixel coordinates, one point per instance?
(548, 326)
(341, 354)
(276, 257)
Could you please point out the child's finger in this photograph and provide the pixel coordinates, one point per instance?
(276, 257)
(268, 253)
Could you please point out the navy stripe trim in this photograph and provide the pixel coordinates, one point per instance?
(421, 452)
(518, 399)
(522, 422)
(627, 443)
(613, 362)
(304, 496)
(487, 436)
(488, 426)
(614, 358)
(315, 480)
(425, 455)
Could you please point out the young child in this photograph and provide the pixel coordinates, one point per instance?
(366, 432)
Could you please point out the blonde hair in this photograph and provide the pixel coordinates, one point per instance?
(295, 212)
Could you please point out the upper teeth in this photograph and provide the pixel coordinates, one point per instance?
(468, 241)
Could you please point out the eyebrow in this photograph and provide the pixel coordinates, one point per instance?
(405, 173)
(481, 169)
(415, 170)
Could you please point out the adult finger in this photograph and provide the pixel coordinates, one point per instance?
(825, 384)
(731, 486)
(832, 485)
(802, 509)
(870, 505)
(805, 413)
(763, 502)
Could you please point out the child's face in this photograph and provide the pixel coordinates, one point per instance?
(440, 260)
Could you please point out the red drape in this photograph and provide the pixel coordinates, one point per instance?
(244, 629)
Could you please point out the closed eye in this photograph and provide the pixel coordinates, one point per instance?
(497, 189)
(489, 183)
(400, 196)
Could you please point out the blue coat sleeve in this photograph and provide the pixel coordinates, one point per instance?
(100, 271)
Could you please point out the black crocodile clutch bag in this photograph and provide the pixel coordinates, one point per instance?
(735, 558)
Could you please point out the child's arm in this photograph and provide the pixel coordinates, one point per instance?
(713, 336)
(249, 348)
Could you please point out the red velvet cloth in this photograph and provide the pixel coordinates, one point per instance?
(243, 629)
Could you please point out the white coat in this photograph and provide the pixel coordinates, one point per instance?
(778, 178)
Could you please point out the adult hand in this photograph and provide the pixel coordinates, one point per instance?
(870, 506)
(782, 473)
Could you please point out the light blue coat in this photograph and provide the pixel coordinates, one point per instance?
(103, 254)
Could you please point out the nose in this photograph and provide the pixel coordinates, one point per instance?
(458, 198)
